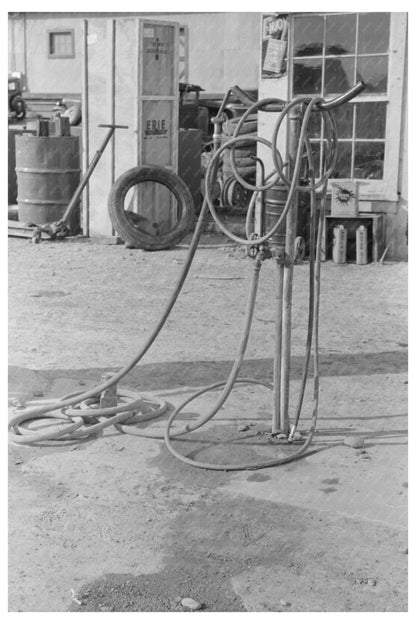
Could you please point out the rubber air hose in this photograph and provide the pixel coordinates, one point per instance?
(314, 282)
(293, 187)
(43, 409)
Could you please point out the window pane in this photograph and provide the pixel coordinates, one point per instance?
(308, 36)
(373, 71)
(316, 155)
(61, 44)
(340, 34)
(339, 75)
(373, 33)
(369, 160)
(343, 166)
(343, 116)
(371, 120)
(314, 126)
(307, 77)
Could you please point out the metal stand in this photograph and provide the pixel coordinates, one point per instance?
(284, 285)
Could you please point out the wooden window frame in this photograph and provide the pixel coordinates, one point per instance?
(61, 31)
(387, 188)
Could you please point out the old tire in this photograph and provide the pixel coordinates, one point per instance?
(124, 225)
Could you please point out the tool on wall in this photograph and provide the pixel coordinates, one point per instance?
(275, 239)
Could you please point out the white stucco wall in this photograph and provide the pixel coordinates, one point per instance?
(223, 49)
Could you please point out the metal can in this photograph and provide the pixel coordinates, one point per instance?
(339, 245)
(361, 245)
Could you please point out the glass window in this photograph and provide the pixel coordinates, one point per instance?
(369, 160)
(339, 75)
(316, 156)
(314, 127)
(307, 76)
(343, 166)
(340, 34)
(373, 33)
(373, 71)
(343, 117)
(371, 120)
(346, 48)
(308, 36)
(61, 44)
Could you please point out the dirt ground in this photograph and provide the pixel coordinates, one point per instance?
(119, 524)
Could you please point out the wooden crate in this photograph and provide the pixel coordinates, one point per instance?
(375, 233)
(130, 77)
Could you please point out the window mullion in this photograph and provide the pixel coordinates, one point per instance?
(354, 106)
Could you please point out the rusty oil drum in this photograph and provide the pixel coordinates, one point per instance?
(48, 173)
(274, 203)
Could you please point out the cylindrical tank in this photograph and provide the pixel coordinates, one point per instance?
(48, 173)
(274, 202)
(361, 245)
(339, 248)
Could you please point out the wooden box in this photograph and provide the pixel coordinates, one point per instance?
(344, 198)
(375, 235)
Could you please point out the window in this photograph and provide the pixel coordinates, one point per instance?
(330, 53)
(61, 44)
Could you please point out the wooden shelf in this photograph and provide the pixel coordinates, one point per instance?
(375, 235)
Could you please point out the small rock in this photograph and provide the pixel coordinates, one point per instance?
(190, 603)
(243, 428)
(284, 603)
(297, 436)
(371, 582)
(18, 404)
(281, 436)
(354, 442)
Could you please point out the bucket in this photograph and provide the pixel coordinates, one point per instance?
(48, 173)
(274, 203)
(339, 248)
(361, 245)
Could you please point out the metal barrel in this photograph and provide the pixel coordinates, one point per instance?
(48, 173)
(274, 203)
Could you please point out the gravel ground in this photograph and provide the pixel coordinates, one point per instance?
(119, 524)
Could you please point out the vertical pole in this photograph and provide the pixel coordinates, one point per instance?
(277, 425)
(85, 131)
(111, 97)
(291, 223)
(112, 94)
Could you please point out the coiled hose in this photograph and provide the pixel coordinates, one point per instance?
(80, 413)
(314, 277)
